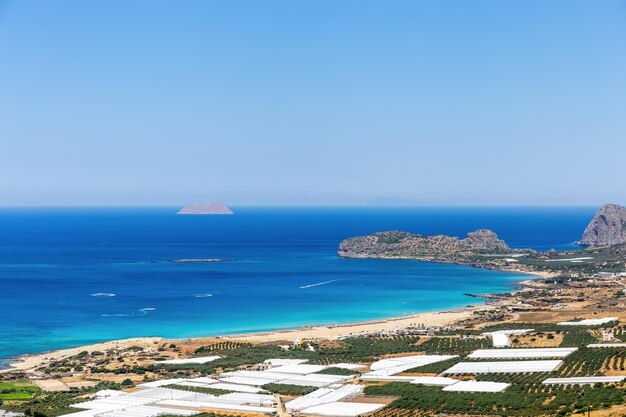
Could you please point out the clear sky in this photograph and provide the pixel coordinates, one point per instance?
(119, 102)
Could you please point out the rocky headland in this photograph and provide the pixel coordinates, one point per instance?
(607, 228)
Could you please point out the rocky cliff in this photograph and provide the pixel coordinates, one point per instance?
(209, 208)
(396, 244)
(608, 227)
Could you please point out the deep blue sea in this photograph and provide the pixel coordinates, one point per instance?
(53, 260)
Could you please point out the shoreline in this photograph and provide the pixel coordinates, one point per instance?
(439, 318)
(29, 362)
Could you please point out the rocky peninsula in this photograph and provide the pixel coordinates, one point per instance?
(605, 251)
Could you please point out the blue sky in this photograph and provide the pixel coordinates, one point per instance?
(312, 102)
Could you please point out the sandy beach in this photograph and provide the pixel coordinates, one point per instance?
(438, 319)
(29, 363)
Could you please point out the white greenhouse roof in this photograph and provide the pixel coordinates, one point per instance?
(415, 361)
(499, 340)
(204, 380)
(245, 380)
(147, 411)
(589, 322)
(284, 362)
(530, 353)
(373, 377)
(205, 359)
(109, 393)
(339, 409)
(195, 384)
(157, 394)
(300, 369)
(434, 380)
(236, 387)
(249, 399)
(392, 366)
(607, 345)
(324, 396)
(509, 332)
(218, 406)
(350, 366)
(503, 367)
(477, 386)
(161, 383)
(584, 380)
(112, 403)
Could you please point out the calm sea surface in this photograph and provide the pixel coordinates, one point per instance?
(70, 276)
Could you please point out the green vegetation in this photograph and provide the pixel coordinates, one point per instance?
(526, 396)
(49, 404)
(351, 350)
(435, 368)
(337, 371)
(17, 391)
(453, 345)
(577, 338)
(286, 389)
(223, 346)
(591, 362)
(524, 399)
(199, 390)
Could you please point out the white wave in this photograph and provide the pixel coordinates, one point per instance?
(318, 284)
(203, 295)
(102, 294)
(148, 309)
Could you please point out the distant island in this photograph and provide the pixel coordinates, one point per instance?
(214, 207)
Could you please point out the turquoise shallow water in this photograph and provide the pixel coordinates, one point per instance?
(75, 276)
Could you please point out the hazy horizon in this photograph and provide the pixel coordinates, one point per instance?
(326, 103)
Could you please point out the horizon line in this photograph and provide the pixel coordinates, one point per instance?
(303, 205)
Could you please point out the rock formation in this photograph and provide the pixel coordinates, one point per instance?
(209, 208)
(607, 228)
(396, 244)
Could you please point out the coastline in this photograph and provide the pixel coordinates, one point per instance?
(28, 363)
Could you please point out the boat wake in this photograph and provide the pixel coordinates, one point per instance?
(317, 284)
(142, 311)
(203, 295)
(102, 294)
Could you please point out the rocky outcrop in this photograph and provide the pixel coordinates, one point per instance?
(396, 244)
(209, 208)
(607, 228)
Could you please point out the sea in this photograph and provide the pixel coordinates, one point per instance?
(75, 276)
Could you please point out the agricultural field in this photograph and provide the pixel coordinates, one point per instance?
(526, 398)
(17, 391)
(351, 350)
(526, 395)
